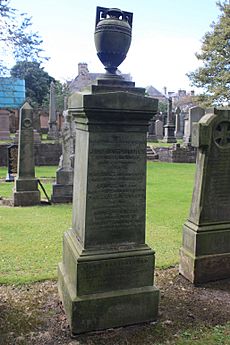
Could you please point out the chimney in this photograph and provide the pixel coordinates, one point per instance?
(165, 90)
(83, 68)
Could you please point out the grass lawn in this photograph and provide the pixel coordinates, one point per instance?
(31, 237)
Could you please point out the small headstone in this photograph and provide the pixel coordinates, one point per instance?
(63, 188)
(151, 134)
(205, 253)
(26, 191)
(194, 115)
(12, 162)
(4, 125)
(159, 129)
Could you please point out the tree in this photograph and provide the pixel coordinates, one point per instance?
(214, 75)
(37, 81)
(16, 38)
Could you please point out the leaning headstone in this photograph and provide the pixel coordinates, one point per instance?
(205, 253)
(169, 128)
(53, 127)
(26, 191)
(12, 162)
(159, 129)
(4, 125)
(63, 188)
(194, 115)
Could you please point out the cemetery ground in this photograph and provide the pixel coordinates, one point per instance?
(31, 245)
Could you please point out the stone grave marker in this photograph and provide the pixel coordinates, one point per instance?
(169, 128)
(26, 191)
(159, 129)
(63, 188)
(151, 134)
(4, 125)
(12, 162)
(205, 253)
(53, 128)
(194, 115)
(178, 133)
(106, 277)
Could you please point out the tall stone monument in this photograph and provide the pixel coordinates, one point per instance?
(63, 188)
(53, 128)
(26, 191)
(178, 133)
(169, 128)
(106, 277)
(205, 253)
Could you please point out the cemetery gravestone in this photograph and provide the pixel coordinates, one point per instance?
(178, 132)
(151, 135)
(53, 129)
(159, 129)
(194, 115)
(106, 277)
(63, 188)
(26, 191)
(12, 162)
(4, 125)
(169, 127)
(205, 253)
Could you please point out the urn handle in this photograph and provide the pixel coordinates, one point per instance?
(103, 12)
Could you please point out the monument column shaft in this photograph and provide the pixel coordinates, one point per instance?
(114, 180)
(26, 145)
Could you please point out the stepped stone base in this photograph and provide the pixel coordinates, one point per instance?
(62, 193)
(205, 255)
(102, 289)
(28, 198)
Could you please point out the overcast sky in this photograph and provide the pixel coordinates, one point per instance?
(166, 34)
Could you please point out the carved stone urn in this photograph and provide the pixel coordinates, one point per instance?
(113, 32)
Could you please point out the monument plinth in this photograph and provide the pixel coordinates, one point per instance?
(205, 253)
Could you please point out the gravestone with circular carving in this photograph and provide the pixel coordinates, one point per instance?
(205, 253)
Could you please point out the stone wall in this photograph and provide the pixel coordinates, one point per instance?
(177, 154)
(45, 154)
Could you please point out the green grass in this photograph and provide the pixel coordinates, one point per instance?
(31, 237)
(218, 335)
(31, 242)
(40, 171)
(169, 191)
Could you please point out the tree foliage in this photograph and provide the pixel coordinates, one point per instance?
(37, 81)
(16, 38)
(214, 75)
